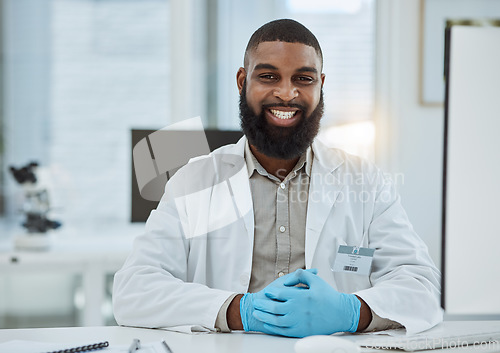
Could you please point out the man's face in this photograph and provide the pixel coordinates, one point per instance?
(281, 98)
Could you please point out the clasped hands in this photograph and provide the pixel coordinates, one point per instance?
(300, 304)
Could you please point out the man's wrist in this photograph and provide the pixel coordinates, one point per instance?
(233, 315)
(365, 316)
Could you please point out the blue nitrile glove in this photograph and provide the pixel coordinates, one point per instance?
(295, 311)
(250, 323)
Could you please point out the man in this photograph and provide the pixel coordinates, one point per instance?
(253, 236)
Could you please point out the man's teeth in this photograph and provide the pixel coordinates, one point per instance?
(282, 115)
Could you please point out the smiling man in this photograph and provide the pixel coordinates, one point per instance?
(281, 97)
(297, 239)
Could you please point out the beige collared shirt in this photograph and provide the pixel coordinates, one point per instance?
(280, 210)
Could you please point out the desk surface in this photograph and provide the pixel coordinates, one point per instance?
(184, 343)
(178, 342)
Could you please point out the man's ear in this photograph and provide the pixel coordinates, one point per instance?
(322, 80)
(240, 78)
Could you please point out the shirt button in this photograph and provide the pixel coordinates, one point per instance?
(282, 185)
(282, 229)
(280, 274)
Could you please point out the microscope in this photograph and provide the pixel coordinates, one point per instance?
(36, 206)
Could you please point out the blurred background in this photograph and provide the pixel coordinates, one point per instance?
(78, 75)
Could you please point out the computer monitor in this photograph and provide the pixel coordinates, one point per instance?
(140, 207)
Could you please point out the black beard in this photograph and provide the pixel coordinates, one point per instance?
(279, 142)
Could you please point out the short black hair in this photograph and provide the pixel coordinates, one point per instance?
(283, 30)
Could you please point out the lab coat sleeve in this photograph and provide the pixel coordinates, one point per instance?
(153, 288)
(406, 285)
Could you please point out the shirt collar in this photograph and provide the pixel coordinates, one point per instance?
(253, 164)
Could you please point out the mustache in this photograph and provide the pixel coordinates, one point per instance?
(284, 105)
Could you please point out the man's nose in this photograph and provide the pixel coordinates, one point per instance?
(286, 91)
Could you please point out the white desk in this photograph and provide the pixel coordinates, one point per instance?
(235, 342)
(178, 342)
(93, 253)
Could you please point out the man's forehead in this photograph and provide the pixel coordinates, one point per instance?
(296, 53)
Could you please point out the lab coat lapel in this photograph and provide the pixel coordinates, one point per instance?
(239, 185)
(324, 189)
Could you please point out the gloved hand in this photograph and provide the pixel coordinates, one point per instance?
(247, 308)
(289, 310)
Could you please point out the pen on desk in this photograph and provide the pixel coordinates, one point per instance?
(166, 346)
(136, 344)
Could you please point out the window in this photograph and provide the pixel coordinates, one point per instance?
(105, 70)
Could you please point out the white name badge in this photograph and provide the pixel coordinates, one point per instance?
(351, 259)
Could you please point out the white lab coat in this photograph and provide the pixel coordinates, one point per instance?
(198, 244)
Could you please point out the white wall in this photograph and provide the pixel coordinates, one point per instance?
(409, 135)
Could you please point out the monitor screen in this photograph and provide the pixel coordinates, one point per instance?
(140, 207)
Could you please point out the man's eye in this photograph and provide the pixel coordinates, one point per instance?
(267, 77)
(305, 79)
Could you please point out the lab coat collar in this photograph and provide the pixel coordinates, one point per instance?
(330, 158)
